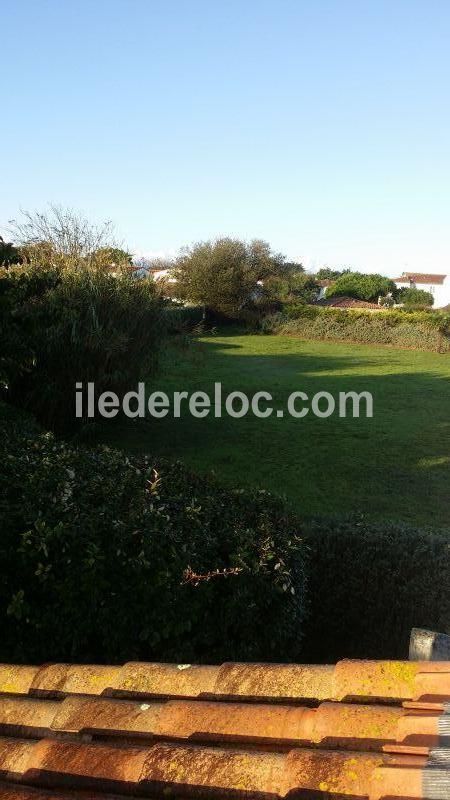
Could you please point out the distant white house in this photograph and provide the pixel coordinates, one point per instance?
(323, 286)
(435, 284)
(162, 275)
(158, 274)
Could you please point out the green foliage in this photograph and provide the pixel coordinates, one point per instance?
(8, 253)
(294, 286)
(107, 558)
(59, 327)
(370, 584)
(411, 296)
(182, 319)
(223, 274)
(272, 323)
(293, 267)
(420, 330)
(113, 257)
(328, 274)
(361, 286)
(20, 286)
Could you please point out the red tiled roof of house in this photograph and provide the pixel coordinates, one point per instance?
(420, 277)
(347, 302)
(359, 729)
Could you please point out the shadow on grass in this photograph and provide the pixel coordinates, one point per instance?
(394, 465)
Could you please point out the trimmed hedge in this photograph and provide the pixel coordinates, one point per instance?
(420, 330)
(369, 584)
(107, 558)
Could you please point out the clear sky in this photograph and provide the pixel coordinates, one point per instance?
(322, 126)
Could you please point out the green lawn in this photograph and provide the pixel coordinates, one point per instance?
(395, 465)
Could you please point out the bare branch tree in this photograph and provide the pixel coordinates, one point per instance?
(63, 237)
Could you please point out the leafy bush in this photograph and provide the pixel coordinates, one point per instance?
(420, 330)
(223, 274)
(61, 327)
(109, 558)
(272, 323)
(182, 319)
(415, 297)
(105, 558)
(370, 584)
(299, 286)
(360, 285)
(8, 253)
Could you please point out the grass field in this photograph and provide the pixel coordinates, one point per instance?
(396, 465)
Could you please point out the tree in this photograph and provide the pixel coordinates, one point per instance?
(411, 296)
(223, 274)
(113, 257)
(8, 253)
(328, 274)
(294, 267)
(361, 286)
(294, 287)
(64, 238)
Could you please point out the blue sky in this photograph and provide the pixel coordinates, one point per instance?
(322, 126)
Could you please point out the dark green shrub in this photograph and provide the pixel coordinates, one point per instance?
(301, 311)
(105, 558)
(370, 583)
(59, 328)
(421, 330)
(8, 253)
(411, 296)
(272, 323)
(183, 319)
(361, 285)
(19, 285)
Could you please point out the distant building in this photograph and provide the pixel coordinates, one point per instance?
(347, 302)
(435, 284)
(145, 268)
(323, 286)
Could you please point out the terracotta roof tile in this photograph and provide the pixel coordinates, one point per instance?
(348, 726)
(275, 681)
(359, 729)
(10, 791)
(347, 302)
(163, 680)
(14, 758)
(401, 680)
(108, 717)
(22, 716)
(217, 770)
(420, 277)
(75, 765)
(63, 679)
(16, 679)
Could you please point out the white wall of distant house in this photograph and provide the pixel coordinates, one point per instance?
(162, 275)
(440, 291)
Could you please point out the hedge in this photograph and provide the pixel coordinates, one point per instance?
(107, 558)
(420, 330)
(370, 583)
(60, 327)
